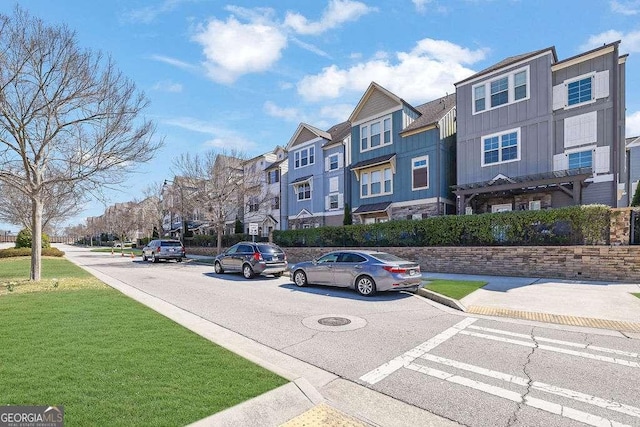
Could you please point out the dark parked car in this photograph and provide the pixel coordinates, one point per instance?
(364, 271)
(252, 258)
(163, 249)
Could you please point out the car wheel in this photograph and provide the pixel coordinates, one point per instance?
(217, 267)
(365, 286)
(179, 260)
(277, 274)
(299, 278)
(144, 256)
(247, 271)
(153, 258)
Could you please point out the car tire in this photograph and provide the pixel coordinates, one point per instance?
(144, 257)
(277, 274)
(300, 279)
(179, 260)
(154, 259)
(217, 267)
(365, 286)
(247, 271)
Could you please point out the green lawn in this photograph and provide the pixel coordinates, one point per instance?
(456, 289)
(637, 295)
(112, 361)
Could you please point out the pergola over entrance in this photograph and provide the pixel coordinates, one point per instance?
(570, 181)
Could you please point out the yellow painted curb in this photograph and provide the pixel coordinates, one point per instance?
(556, 318)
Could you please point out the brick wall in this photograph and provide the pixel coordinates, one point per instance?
(601, 263)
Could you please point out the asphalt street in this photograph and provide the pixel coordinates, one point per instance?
(472, 370)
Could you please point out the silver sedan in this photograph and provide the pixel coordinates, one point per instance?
(365, 271)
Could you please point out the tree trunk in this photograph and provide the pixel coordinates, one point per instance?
(220, 230)
(36, 239)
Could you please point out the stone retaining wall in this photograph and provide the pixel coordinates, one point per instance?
(600, 263)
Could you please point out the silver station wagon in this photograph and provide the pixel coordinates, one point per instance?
(251, 259)
(163, 249)
(365, 271)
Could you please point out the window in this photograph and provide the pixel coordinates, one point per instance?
(276, 203)
(304, 157)
(376, 182)
(520, 85)
(254, 205)
(375, 134)
(304, 191)
(333, 201)
(333, 162)
(502, 90)
(479, 97)
(273, 176)
(581, 159)
(499, 92)
(501, 148)
(579, 91)
(420, 172)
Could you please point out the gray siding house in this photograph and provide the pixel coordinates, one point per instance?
(534, 132)
(633, 164)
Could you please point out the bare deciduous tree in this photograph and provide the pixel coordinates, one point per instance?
(66, 115)
(222, 185)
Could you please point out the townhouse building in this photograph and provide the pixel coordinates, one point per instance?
(534, 132)
(401, 158)
(633, 164)
(316, 176)
(263, 205)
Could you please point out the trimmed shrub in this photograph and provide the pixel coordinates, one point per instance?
(15, 252)
(23, 239)
(575, 225)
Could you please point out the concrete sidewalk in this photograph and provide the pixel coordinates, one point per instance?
(591, 304)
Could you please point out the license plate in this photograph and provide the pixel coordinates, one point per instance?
(412, 272)
(171, 250)
(275, 258)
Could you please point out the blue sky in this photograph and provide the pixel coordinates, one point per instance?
(244, 74)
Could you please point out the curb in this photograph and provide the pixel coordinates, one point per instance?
(441, 299)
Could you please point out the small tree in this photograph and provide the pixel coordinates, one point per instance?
(155, 234)
(636, 196)
(347, 220)
(239, 228)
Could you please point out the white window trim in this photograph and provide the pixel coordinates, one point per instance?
(338, 162)
(368, 172)
(368, 125)
(511, 90)
(498, 134)
(297, 187)
(299, 153)
(415, 159)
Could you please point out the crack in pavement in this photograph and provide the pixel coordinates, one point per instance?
(514, 418)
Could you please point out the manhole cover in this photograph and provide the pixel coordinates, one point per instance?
(334, 321)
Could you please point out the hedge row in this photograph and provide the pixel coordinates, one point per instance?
(14, 252)
(575, 225)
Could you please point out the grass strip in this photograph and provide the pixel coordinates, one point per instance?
(636, 295)
(456, 289)
(112, 361)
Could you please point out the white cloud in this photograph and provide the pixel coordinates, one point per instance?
(426, 72)
(423, 6)
(337, 113)
(220, 137)
(311, 48)
(626, 7)
(148, 14)
(233, 49)
(174, 62)
(337, 13)
(288, 114)
(630, 41)
(167, 86)
(633, 125)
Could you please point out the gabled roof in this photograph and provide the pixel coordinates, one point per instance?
(431, 112)
(633, 141)
(314, 130)
(340, 131)
(375, 87)
(510, 61)
(275, 164)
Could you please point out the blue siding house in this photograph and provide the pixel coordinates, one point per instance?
(401, 157)
(316, 176)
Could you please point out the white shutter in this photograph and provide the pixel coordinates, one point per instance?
(326, 164)
(602, 84)
(602, 159)
(559, 97)
(327, 203)
(340, 162)
(580, 130)
(340, 201)
(333, 184)
(560, 162)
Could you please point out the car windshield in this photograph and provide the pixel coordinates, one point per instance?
(383, 256)
(268, 249)
(170, 243)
